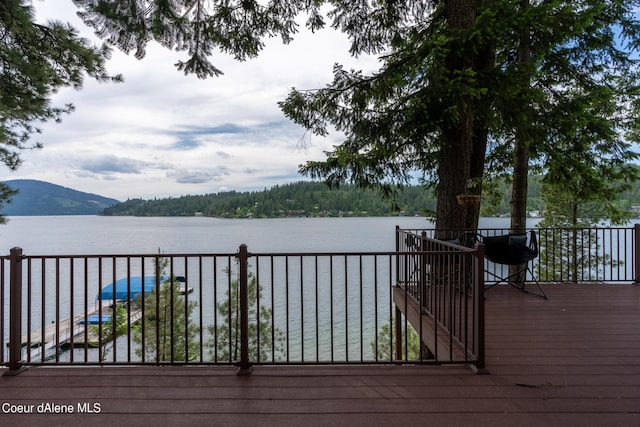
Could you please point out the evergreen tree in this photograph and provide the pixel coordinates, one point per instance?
(573, 208)
(109, 330)
(456, 76)
(36, 60)
(266, 342)
(418, 114)
(557, 65)
(167, 332)
(200, 27)
(578, 81)
(384, 349)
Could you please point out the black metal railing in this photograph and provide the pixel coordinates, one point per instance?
(237, 309)
(444, 278)
(572, 255)
(422, 303)
(440, 292)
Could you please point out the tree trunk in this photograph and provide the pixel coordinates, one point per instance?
(464, 138)
(484, 63)
(453, 174)
(521, 149)
(520, 184)
(522, 137)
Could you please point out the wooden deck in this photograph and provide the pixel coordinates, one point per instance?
(572, 360)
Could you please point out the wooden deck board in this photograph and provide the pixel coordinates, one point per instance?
(571, 360)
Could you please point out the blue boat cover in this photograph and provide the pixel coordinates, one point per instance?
(94, 319)
(133, 284)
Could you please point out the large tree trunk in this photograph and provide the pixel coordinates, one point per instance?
(522, 138)
(521, 149)
(453, 173)
(484, 63)
(464, 137)
(520, 184)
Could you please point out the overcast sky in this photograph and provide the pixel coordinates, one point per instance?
(161, 133)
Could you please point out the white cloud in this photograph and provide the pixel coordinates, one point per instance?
(198, 176)
(110, 164)
(161, 133)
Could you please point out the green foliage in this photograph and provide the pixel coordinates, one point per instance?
(266, 342)
(315, 199)
(384, 348)
(575, 88)
(297, 199)
(392, 119)
(36, 60)
(6, 193)
(167, 333)
(572, 254)
(200, 27)
(580, 202)
(109, 330)
(570, 205)
(547, 81)
(558, 79)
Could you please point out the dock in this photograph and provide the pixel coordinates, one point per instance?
(73, 332)
(90, 338)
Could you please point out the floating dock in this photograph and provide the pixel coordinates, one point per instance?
(73, 332)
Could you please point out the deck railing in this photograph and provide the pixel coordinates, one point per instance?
(422, 303)
(572, 255)
(440, 293)
(240, 309)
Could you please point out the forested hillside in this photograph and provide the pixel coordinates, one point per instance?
(43, 198)
(316, 199)
(311, 199)
(297, 199)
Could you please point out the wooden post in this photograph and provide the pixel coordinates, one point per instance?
(397, 324)
(245, 367)
(424, 284)
(479, 301)
(15, 312)
(398, 334)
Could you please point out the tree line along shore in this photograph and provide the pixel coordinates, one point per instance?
(315, 199)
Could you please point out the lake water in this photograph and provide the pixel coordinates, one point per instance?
(96, 235)
(71, 235)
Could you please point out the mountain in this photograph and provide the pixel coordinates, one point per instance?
(43, 198)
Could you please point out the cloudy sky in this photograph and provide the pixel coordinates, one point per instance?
(161, 133)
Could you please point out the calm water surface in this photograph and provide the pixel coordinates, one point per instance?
(89, 235)
(71, 235)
